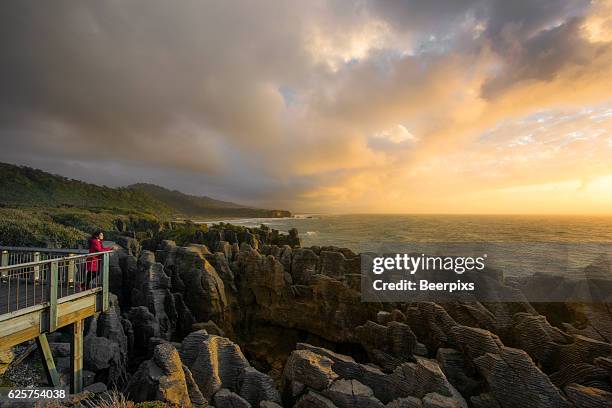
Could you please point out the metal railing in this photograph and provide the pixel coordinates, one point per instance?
(18, 255)
(49, 275)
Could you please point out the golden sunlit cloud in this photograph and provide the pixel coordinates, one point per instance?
(367, 106)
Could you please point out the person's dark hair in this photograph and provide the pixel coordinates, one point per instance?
(96, 233)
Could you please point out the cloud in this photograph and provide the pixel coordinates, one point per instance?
(307, 105)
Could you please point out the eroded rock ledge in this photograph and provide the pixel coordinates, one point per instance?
(251, 319)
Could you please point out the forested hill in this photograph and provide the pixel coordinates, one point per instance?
(26, 187)
(191, 205)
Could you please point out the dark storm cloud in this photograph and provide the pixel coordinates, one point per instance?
(536, 39)
(543, 55)
(114, 76)
(258, 100)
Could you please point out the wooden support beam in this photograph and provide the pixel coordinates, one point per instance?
(36, 258)
(4, 261)
(76, 358)
(105, 278)
(53, 296)
(47, 361)
(71, 268)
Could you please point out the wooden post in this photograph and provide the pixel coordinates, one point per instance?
(53, 296)
(105, 273)
(4, 261)
(47, 360)
(71, 272)
(36, 268)
(76, 358)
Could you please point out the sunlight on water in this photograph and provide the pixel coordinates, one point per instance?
(361, 233)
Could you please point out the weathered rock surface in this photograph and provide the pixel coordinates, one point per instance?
(310, 369)
(163, 379)
(217, 363)
(514, 381)
(256, 387)
(263, 291)
(152, 290)
(144, 327)
(352, 393)
(314, 400)
(582, 373)
(224, 398)
(551, 347)
(389, 346)
(105, 346)
(459, 373)
(588, 397)
(214, 361)
(204, 289)
(416, 379)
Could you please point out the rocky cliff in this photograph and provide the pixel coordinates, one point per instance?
(252, 319)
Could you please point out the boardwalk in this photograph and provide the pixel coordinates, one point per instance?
(17, 294)
(42, 290)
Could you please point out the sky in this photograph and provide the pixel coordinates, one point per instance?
(365, 106)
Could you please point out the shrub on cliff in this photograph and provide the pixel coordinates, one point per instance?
(86, 221)
(30, 228)
(183, 233)
(112, 223)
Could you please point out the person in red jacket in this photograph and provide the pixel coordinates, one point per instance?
(95, 245)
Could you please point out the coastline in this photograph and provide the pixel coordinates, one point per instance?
(285, 311)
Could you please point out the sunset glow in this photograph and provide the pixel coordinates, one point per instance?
(320, 106)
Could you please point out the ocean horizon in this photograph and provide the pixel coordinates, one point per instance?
(524, 244)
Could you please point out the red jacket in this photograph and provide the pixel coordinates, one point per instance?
(95, 245)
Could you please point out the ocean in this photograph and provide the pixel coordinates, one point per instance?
(570, 241)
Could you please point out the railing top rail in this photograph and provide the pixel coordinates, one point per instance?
(48, 250)
(46, 261)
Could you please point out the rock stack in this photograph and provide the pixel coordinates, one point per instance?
(252, 319)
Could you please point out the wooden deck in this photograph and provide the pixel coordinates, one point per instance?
(25, 294)
(28, 311)
(28, 323)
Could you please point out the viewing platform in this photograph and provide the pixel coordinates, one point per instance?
(42, 290)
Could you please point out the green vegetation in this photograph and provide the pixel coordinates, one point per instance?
(32, 228)
(183, 233)
(42, 209)
(24, 187)
(31, 188)
(195, 206)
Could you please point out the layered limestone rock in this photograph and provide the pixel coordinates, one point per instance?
(144, 327)
(588, 397)
(389, 346)
(304, 264)
(204, 290)
(306, 368)
(582, 373)
(325, 307)
(224, 398)
(431, 324)
(217, 363)
(165, 379)
(551, 347)
(275, 299)
(152, 289)
(105, 346)
(309, 371)
(462, 375)
(351, 393)
(514, 381)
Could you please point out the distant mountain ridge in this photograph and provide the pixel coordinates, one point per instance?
(22, 186)
(192, 205)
